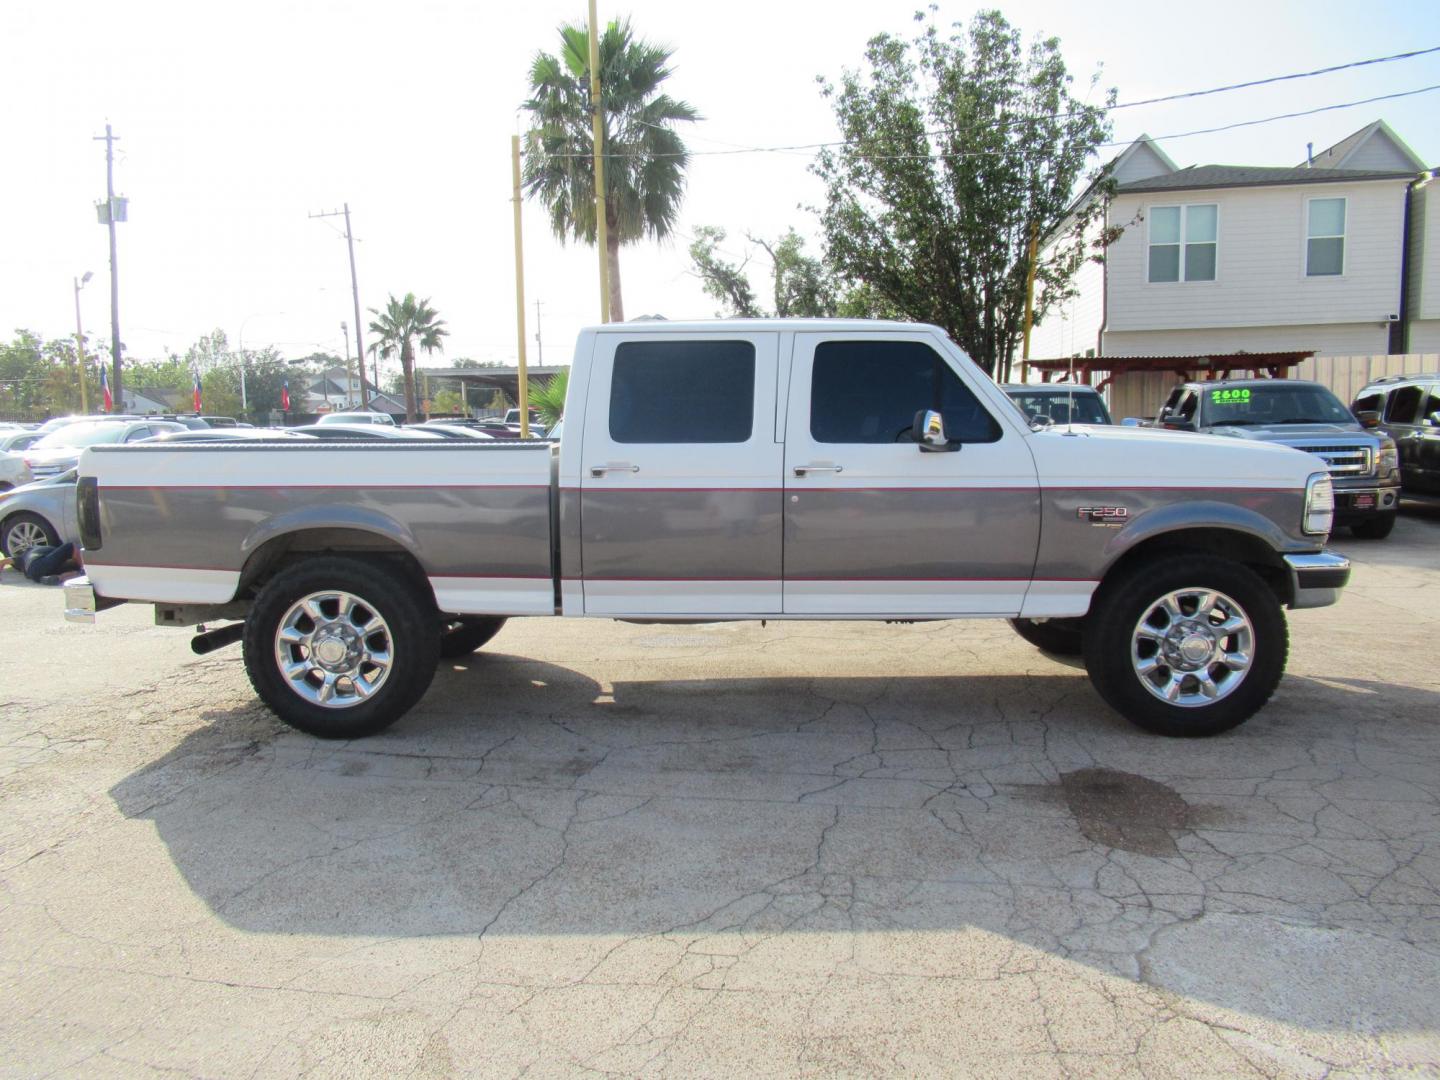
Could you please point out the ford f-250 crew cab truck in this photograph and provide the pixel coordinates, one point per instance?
(1364, 465)
(783, 469)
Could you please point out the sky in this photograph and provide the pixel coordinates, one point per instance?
(239, 121)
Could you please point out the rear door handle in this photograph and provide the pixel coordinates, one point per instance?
(613, 466)
(805, 470)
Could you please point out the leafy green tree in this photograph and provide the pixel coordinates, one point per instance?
(725, 281)
(802, 286)
(644, 158)
(547, 397)
(400, 328)
(958, 149)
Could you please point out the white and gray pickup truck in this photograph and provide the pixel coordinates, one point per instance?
(777, 469)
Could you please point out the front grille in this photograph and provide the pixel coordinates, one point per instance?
(39, 472)
(1342, 460)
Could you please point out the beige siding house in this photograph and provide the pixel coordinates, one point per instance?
(1228, 259)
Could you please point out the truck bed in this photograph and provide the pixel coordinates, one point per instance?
(184, 523)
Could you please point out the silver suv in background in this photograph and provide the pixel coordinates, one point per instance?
(60, 450)
(1363, 465)
(1407, 409)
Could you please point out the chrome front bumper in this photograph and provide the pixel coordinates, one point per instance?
(1316, 580)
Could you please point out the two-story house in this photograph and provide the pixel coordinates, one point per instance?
(1340, 254)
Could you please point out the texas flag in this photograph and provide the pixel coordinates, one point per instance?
(285, 396)
(195, 382)
(105, 390)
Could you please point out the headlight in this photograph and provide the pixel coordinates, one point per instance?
(1388, 460)
(1319, 505)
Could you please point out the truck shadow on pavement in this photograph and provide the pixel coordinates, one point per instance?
(1288, 869)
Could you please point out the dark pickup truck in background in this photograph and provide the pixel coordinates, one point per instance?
(1363, 465)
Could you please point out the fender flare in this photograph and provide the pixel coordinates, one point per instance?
(1177, 518)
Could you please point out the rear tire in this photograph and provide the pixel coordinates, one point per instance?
(1060, 637)
(340, 647)
(462, 636)
(1375, 528)
(1186, 645)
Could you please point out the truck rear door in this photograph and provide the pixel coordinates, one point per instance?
(873, 525)
(680, 499)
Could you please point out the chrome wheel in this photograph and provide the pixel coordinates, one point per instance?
(23, 536)
(1192, 647)
(334, 649)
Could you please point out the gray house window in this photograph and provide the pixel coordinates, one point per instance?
(1183, 242)
(1325, 238)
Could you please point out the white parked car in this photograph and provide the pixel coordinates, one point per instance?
(13, 471)
(367, 417)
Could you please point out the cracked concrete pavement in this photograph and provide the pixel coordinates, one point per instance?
(819, 848)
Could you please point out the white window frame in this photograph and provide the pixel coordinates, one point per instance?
(1184, 209)
(1343, 237)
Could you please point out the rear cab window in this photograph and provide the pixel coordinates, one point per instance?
(683, 392)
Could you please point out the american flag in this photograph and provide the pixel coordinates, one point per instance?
(195, 379)
(285, 396)
(105, 390)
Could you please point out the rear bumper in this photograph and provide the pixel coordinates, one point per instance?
(82, 601)
(1316, 580)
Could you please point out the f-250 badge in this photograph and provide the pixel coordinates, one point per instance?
(1105, 516)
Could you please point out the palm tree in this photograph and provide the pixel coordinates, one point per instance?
(644, 158)
(399, 328)
(548, 398)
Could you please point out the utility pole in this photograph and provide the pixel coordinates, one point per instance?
(597, 129)
(109, 138)
(522, 388)
(80, 342)
(349, 379)
(355, 293)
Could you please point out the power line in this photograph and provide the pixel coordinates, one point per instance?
(1276, 79)
(982, 153)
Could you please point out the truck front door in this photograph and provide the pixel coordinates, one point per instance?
(680, 500)
(875, 526)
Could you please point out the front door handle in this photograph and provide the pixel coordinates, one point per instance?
(805, 470)
(614, 466)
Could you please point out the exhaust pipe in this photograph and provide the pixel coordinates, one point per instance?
(211, 640)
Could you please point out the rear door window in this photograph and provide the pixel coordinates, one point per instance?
(683, 392)
(870, 391)
(1404, 405)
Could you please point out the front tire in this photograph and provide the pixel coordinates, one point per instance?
(24, 531)
(1375, 528)
(1060, 637)
(1186, 645)
(339, 647)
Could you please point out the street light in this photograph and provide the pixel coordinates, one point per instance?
(80, 342)
(244, 404)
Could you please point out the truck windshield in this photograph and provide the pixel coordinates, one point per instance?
(1273, 404)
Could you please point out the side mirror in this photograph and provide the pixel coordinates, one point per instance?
(1041, 422)
(1368, 418)
(928, 430)
(1433, 419)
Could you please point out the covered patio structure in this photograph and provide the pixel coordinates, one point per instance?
(477, 384)
(1138, 385)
